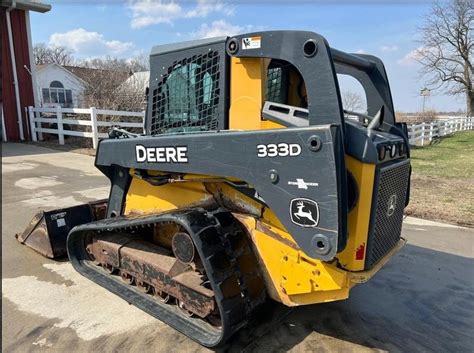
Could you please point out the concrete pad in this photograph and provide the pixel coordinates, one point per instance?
(425, 222)
(422, 300)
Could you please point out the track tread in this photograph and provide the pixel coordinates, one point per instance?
(223, 247)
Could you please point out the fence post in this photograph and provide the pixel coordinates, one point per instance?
(95, 132)
(31, 116)
(59, 118)
(422, 134)
(38, 125)
(431, 131)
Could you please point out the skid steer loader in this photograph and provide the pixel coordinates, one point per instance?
(251, 182)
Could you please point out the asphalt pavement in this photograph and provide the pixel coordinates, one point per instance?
(422, 300)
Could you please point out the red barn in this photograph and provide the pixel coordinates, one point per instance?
(17, 66)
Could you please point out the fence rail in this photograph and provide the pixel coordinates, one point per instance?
(419, 134)
(56, 117)
(424, 133)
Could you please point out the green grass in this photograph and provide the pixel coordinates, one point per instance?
(451, 157)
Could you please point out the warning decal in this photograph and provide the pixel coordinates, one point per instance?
(251, 42)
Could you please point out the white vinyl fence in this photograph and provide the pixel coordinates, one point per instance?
(59, 120)
(423, 133)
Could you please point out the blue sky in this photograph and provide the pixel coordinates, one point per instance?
(124, 29)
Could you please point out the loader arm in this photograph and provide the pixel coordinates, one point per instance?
(304, 153)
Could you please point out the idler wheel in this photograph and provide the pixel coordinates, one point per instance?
(183, 248)
(127, 278)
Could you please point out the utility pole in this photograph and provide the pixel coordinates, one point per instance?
(424, 92)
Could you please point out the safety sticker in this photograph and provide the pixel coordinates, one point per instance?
(251, 42)
(61, 222)
(58, 215)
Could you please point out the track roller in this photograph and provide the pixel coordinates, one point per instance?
(127, 278)
(143, 287)
(161, 296)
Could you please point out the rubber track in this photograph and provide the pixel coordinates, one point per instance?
(227, 257)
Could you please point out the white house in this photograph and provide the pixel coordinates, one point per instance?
(57, 85)
(133, 89)
(136, 82)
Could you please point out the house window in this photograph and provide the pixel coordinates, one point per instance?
(56, 84)
(57, 94)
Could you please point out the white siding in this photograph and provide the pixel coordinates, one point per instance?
(53, 72)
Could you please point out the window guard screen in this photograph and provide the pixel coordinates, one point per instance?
(188, 96)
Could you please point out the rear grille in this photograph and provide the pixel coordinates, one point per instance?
(390, 192)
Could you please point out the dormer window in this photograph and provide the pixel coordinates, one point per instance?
(57, 94)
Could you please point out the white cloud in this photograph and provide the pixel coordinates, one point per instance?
(389, 48)
(221, 28)
(148, 12)
(84, 43)
(361, 51)
(205, 7)
(217, 29)
(411, 57)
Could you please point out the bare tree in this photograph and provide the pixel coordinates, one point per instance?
(447, 49)
(109, 86)
(140, 62)
(61, 55)
(52, 54)
(40, 54)
(352, 101)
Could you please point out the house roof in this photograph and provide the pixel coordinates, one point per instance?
(40, 67)
(84, 72)
(140, 79)
(137, 82)
(37, 6)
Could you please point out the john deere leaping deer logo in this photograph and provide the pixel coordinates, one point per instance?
(304, 212)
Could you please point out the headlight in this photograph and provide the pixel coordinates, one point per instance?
(401, 149)
(393, 151)
(382, 152)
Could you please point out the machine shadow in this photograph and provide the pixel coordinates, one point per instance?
(422, 300)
